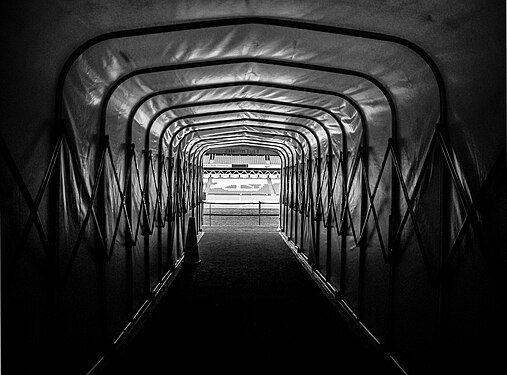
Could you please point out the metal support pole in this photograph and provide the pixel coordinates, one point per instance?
(296, 205)
(442, 253)
(329, 219)
(177, 173)
(291, 204)
(170, 205)
(201, 196)
(287, 190)
(159, 219)
(280, 197)
(303, 201)
(393, 223)
(362, 242)
(101, 199)
(192, 200)
(344, 226)
(146, 223)
(318, 213)
(198, 194)
(259, 212)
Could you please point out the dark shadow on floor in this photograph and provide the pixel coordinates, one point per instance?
(249, 307)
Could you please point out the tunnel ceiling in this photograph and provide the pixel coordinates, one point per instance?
(107, 85)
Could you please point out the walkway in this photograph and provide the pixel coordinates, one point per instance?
(249, 307)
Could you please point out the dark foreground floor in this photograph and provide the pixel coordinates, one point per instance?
(249, 307)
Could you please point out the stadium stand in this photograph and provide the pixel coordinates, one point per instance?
(212, 159)
(248, 175)
(235, 186)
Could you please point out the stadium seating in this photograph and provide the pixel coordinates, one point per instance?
(241, 159)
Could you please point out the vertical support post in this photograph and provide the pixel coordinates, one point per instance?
(259, 212)
(329, 218)
(129, 245)
(177, 197)
(170, 204)
(280, 195)
(159, 217)
(192, 181)
(56, 256)
(291, 203)
(101, 194)
(296, 204)
(102, 219)
(183, 197)
(442, 253)
(287, 201)
(198, 194)
(303, 200)
(318, 213)
(284, 195)
(309, 192)
(345, 223)
(362, 243)
(195, 190)
(146, 223)
(201, 196)
(393, 246)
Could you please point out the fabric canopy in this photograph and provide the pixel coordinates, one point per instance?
(389, 118)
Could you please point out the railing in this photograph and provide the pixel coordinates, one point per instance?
(224, 209)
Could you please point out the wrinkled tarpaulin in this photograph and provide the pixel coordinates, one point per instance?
(137, 106)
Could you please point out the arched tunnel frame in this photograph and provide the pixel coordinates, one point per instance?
(318, 170)
(220, 133)
(440, 133)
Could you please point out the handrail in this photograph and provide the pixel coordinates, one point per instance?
(258, 203)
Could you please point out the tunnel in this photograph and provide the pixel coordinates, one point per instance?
(387, 119)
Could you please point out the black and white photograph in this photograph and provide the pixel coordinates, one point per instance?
(253, 187)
